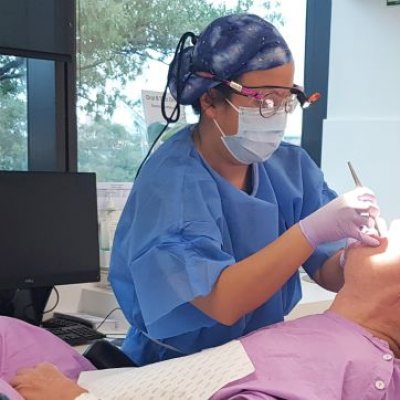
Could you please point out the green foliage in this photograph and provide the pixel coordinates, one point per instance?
(115, 41)
(117, 37)
(13, 118)
(109, 150)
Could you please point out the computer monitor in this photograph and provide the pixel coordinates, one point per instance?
(48, 236)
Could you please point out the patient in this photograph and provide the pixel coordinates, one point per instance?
(351, 351)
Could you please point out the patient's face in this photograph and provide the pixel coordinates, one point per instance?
(374, 273)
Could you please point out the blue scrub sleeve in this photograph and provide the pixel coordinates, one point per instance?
(170, 274)
(322, 253)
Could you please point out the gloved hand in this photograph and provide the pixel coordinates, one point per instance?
(350, 215)
(351, 243)
(343, 255)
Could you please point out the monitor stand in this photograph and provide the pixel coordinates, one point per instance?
(25, 304)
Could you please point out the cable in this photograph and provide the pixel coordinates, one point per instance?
(151, 149)
(176, 112)
(107, 316)
(178, 56)
(32, 306)
(56, 303)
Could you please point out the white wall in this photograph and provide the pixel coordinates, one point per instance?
(363, 122)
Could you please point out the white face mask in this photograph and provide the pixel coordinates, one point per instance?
(257, 137)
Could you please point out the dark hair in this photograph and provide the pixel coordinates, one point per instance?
(223, 92)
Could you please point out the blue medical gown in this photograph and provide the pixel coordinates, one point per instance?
(183, 224)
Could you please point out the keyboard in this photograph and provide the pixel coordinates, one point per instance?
(72, 332)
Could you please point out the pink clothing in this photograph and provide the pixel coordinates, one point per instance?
(316, 357)
(23, 345)
(320, 357)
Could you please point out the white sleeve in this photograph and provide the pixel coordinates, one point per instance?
(87, 396)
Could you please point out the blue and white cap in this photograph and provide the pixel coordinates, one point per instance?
(227, 48)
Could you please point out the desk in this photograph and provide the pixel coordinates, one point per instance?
(89, 299)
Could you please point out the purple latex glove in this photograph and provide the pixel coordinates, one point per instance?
(350, 215)
(351, 243)
(343, 255)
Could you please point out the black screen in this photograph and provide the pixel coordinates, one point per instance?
(48, 229)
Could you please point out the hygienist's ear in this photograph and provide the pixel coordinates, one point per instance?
(208, 103)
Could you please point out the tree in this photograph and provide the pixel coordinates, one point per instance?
(115, 41)
(116, 38)
(13, 119)
(110, 150)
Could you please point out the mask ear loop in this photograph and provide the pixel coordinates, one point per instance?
(176, 112)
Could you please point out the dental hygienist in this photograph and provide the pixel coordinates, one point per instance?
(224, 213)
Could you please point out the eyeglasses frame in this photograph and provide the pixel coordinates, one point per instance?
(250, 91)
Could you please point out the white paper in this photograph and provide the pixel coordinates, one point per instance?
(151, 101)
(197, 376)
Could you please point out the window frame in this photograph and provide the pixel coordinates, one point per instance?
(52, 122)
(316, 74)
(51, 92)
(51, 80)
(52, 130)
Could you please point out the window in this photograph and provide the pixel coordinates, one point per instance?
(123, 48)
(37, 85)
(123, 52)
(316, 73)
(123, 55)
(13, 112)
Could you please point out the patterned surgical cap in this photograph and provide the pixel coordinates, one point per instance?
(227, 48)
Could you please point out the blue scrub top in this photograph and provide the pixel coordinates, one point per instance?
(183, 224)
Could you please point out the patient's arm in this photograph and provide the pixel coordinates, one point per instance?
(45, 382)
